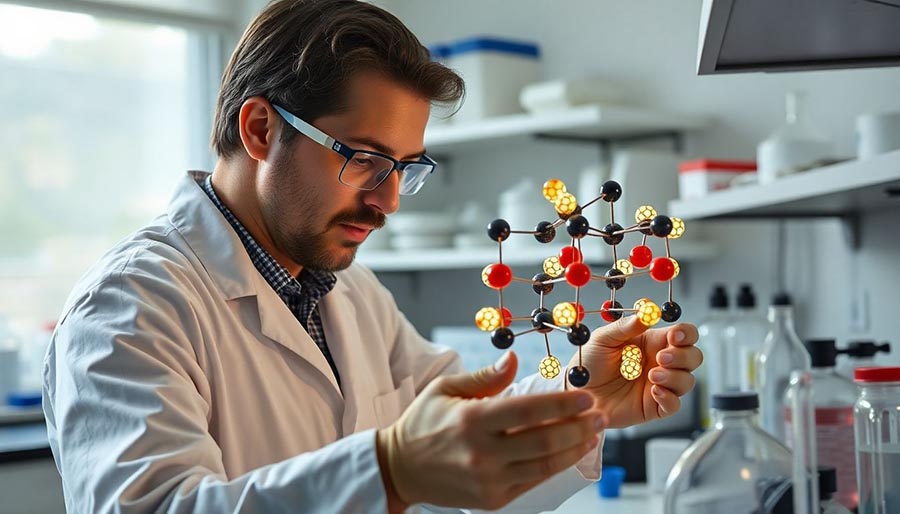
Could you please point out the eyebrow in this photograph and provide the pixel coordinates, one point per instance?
(383, 149)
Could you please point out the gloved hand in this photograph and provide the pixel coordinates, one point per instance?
(669, 359)
(454, 446)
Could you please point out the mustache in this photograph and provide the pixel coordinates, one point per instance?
(363, 217)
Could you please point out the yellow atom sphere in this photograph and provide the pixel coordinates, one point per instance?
(552, 266)
(649, 313)
(644, 213)
(639, 302)
(677, 267)
(488, 319)
(632, 352)
(625, 266)
(630, 369)
(564, 314)
(553, 188)
(549, 367)
(677, 228)
(565, 204)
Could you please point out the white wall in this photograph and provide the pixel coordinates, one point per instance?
(649, 48)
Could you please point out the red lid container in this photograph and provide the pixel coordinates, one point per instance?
(712, 164)
(877, 374)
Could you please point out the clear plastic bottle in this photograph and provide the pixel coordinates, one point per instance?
(833, 397)
(745, 336)
(713, 340)
(734, 467)
(782, 353)
(877, 436)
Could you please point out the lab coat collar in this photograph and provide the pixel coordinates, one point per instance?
(224, 257)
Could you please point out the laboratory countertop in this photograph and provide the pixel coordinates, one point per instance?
(634, 499)
(24, 441)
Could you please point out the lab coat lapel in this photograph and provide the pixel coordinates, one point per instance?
(224, 257)
(346, 342)
(278, 323)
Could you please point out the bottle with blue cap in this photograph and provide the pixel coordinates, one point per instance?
(735, 466)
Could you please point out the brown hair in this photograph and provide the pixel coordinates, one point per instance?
(300, 54)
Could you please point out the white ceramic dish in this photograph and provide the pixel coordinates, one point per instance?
(421, 223)
(421, 241)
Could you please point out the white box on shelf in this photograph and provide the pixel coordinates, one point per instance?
(495, 71)
(700, 177)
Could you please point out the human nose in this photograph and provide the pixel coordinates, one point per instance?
(385, 197)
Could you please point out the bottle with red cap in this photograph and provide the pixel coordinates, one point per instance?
(876, 427)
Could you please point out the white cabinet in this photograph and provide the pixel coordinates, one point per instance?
(602, 125)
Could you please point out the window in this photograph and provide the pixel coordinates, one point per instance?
(99, 118)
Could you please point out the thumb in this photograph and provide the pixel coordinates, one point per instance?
(487, 381)
(617, 334)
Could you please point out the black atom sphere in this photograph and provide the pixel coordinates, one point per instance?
(540, 285)
(539, 320)
(613, 240)
(610, 191)
(661, 226)
(671, 311)
(579, 376)
(498, 230)
(579, 334)
(544, 232)
(577, 226)
(502, 338)
(615, 283)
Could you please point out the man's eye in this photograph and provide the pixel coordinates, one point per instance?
(362, 161)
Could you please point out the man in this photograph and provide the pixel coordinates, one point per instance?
(229, 357)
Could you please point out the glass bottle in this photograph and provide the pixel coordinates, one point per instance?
(877, 436)
(782, 353)
(860, 354)
(745, 335)
(833, 397)
(714, 370)
(735, 466)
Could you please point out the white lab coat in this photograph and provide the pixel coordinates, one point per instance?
(178, 381)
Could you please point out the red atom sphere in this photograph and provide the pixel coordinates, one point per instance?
(641, 256)
(568, 255)
(607, 316)
(507, 317)
(578, 274)
(662, 269)
(580, 309)
(499, 276)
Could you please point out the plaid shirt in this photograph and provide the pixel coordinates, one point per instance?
(301, 296)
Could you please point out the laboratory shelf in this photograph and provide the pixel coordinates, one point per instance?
(840, 190)
(595, 252)
(588, 122)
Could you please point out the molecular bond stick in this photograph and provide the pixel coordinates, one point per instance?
(568, 266)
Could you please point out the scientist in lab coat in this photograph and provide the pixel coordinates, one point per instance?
(230, 357)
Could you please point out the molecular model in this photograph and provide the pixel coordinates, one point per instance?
(568, 266)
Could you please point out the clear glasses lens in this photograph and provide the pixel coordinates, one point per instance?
(367, 171)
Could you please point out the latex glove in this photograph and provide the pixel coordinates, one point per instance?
(456, 447)
(669, 357)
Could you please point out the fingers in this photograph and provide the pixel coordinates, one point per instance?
(682, 334)
(666, 401)
(527, 411)
(678, 382)
(551, 438)
(616, 334)
(683, 358)
(537, 470)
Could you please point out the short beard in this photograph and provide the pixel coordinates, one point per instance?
(301, 244)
